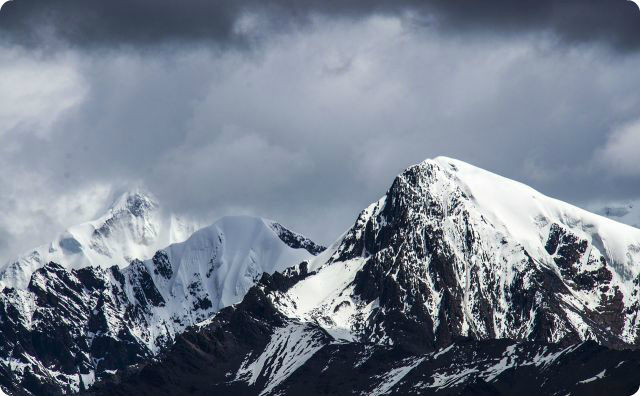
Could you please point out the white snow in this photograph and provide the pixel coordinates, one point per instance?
(310, 293)
(218, 263)
(395, 375)
(519, 209)
(289, 348)
(594, 378)
(239, 248)
(443, 351)
(444, 380)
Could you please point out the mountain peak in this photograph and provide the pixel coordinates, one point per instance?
(137, 200)
(523, 212)
(450, 248)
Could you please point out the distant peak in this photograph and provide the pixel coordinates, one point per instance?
(247, 224)
(137, 200)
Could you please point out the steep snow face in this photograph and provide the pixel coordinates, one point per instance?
(216, 266)
(525, 214)
(134, 227)
(104, 319)
(452, 250)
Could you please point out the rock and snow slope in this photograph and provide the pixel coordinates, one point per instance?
(451, 254)
(72, 324)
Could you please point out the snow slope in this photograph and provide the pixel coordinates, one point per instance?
(521, 212)
(216, 266)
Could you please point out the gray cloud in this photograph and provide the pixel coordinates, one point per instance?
(97, 23)
(621, 153)
(308, 128)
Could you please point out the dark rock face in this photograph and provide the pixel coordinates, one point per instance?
(282, 282)
(144, 289)
(69, 330)
(567, 251)
(162, 264)
(207, 355)
(297, 241)
(246, 350)
(81, 323)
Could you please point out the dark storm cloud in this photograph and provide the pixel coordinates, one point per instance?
(143, 22)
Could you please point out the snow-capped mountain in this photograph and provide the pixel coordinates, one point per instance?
(461, 252)
(456, 282)
(73, 324)
(134, 227)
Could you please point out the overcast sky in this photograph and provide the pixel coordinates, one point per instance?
(305, 114)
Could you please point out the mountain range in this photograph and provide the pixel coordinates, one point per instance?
(76, 309)
(456, 282)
